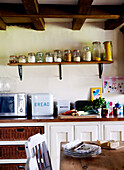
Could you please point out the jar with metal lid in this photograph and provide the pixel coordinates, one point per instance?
(13, 59)
(108, 50)
(86, 53)
(22, 59)
(67, 55)
(31, 57)
(96, 51)
(39, 57)
(76, 55)
(48, 57)
(57, 55)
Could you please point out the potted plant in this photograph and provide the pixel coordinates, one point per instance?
(98, 104)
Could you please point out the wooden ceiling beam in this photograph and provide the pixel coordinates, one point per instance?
(2, 25)
(112, 24)
(83, 7)
(31, 7)
(122, 29)
(61, 11)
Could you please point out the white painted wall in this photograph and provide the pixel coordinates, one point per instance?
(77, 79)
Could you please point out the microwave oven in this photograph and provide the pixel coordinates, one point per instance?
(13, 104)
(40, 104)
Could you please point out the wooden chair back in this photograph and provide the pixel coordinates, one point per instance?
(37, 152)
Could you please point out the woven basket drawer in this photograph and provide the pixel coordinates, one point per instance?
(12, 152)
(12, 166)
(19, 133)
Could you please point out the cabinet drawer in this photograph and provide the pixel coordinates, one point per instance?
(19, 133)
(12, 166)
(12, 152)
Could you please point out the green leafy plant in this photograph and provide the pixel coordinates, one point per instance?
(98, 103)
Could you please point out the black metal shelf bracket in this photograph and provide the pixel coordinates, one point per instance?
(20, 71)
(100, 70)
(60, 71)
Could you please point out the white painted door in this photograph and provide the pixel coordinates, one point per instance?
(113, 132)
(59, 133)
(87, 132)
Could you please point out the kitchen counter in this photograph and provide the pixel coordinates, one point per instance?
(54, 119)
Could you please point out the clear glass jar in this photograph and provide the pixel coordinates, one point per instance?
(39, 57)
(57, 56)
(86, 53)
(67, 55)
(96, 51)
(76, 55)
(31, 57)
(22, 59)
(13, 59)
(48, 57)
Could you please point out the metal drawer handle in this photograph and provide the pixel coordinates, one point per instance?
(20, 130)
(20, 167)
(21, 148)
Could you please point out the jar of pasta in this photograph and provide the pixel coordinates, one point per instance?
(96, 51)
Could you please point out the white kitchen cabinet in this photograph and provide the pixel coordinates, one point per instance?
(113, 131)
(89, 132)
(59, 133)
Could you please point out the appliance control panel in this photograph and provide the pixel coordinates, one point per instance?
(21, 100)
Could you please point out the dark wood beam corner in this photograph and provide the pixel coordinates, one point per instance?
(113, 23)
(32, 8)
(122, 29)
(83, 7)
(77, 24)
(2, 25)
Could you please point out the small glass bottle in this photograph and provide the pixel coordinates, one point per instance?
(57, 56)
(76, 55)
(31, 57)
(39, 57)
(13, 59)
(86, 53)
(48, 57)
(22, 59)
(67, 55)
(96, 51)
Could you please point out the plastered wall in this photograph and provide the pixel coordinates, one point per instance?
(76, 79)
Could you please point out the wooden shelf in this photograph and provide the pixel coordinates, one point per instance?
(100, 65)
(63, 63)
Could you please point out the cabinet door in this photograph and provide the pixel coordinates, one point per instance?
(87, 132)
(59, 134)
(113, 132)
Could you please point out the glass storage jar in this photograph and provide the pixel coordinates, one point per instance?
(76, 55)
(67, 55)
(48, 57)
(39, 57)
(96, 51)
(86, 53)
(57, 55)
(13, 59)
(108, 50)
(31, 57)
(22, 59)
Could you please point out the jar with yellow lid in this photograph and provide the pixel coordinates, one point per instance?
(96, 51)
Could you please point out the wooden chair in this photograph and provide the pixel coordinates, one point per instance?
(37, 153)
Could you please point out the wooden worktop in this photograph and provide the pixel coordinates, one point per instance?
(55, 119)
